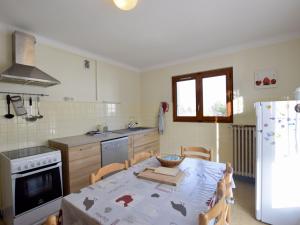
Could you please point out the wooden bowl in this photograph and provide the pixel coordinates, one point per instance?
(170, 160)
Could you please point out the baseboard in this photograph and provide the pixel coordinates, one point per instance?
(244, 179)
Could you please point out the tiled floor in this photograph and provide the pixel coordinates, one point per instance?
(243, 209)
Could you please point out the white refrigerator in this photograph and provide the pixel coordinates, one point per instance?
(278, 162)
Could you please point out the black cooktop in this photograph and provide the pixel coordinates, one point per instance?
(25, 152)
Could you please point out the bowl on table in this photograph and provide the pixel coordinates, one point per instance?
(170, 160)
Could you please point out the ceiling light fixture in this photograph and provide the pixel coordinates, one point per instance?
(125, 4)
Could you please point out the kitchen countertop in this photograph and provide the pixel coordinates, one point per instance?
(132, 132)
(73, 141)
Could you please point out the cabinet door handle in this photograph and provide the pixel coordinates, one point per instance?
(86, 148)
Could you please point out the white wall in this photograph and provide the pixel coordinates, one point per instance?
(156, 87)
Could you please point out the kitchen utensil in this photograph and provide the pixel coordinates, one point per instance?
(8, 115)
(18, 105)
(30, 116)
(39, 116)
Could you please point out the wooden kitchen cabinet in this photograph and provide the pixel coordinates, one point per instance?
(80, 157)
(154, 146)
(130, 147)
(78, 163)
(145, 138)
(146, 141)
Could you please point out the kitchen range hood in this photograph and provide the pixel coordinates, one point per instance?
(23, 70)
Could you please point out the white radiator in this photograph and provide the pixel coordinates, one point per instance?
(244, 149)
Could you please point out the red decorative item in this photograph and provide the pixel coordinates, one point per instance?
(126, 199)
(165, 106)
(273, 81)
(266, 81)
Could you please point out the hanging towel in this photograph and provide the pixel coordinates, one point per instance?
(161, 120)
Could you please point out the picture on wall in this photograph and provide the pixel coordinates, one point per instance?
(265, 79)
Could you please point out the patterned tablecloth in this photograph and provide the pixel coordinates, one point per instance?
(123, 199)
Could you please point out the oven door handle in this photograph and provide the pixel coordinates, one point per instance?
(19, 175)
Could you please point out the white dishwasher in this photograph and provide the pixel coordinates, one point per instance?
(114, 151)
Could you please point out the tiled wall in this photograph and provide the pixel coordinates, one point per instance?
(61, 119)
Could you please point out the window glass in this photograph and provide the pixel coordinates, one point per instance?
(186, 98)
(203, 96)
(214, 96)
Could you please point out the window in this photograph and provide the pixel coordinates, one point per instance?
(203, 96)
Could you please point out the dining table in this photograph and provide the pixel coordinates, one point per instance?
(125, 199)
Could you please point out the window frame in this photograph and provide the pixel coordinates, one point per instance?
(198, 77)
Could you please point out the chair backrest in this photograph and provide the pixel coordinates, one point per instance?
(217, 212)
(196, 152)
(140, 157)
(52, 220)
(228, 180)
(228, 193)
(106, 170)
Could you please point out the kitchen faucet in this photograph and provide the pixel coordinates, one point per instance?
(132, 124)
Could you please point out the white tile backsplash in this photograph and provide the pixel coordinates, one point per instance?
(61, 119)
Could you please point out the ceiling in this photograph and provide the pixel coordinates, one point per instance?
(156, 32)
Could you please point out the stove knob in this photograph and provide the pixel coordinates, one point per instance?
(44, 162)
(26, 166)
(49, 161)
(32, 164)
(54, 159)
(19, 168)
(38, 163)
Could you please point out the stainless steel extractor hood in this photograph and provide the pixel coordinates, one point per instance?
(23, 70)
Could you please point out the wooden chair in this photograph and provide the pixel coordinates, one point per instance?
(106, 170)
(217, 212)
(54, 220)
(199, 152)
(228, 193)
(140, 157)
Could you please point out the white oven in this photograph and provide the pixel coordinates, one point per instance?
(36, 187)
(32, 185)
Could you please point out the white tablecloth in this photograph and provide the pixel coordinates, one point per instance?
(123, 199)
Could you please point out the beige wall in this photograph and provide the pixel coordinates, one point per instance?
(156, 87)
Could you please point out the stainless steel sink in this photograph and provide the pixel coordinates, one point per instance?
(128, 130)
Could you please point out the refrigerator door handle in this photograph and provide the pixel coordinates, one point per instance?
(259, 137)
(258, 109)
